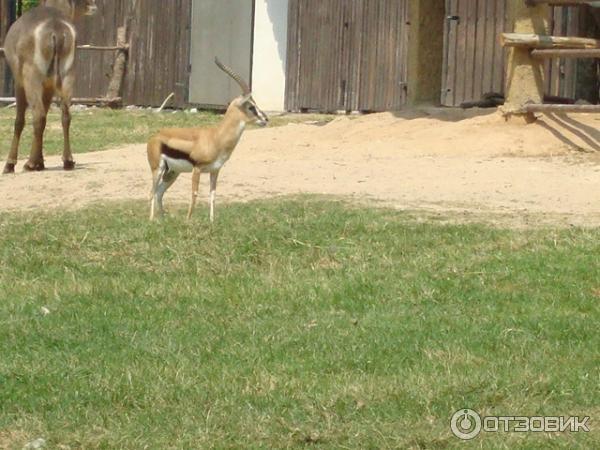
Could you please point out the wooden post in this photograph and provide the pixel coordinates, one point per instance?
(116, 80)
(525, 74)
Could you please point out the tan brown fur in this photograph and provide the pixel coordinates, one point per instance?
(206, 148)
(39, 49)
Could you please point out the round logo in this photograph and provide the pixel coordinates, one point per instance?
(465, 424)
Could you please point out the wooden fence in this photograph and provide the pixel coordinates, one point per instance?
(159, 38)
(473, 58)
(7, 11)
(564, 76)
(347, 55)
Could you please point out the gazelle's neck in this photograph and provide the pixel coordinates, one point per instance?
(231, 127)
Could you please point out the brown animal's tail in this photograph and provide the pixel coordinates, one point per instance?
(54, 68)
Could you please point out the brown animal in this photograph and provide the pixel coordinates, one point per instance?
(40, 51)
(197, 150)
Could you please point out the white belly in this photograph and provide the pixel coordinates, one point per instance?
(216, 165)
(178, 165)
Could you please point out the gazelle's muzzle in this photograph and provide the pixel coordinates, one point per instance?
(261, 119)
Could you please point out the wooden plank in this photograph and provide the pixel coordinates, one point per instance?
(450, 54)
(500, 55)
(548, 108)
(488, 46)
(541, 41)
(293, 53)
(566, 53)
(560, 2)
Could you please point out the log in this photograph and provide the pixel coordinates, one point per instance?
(541, 41)
(105, 101)
(536, 108)
(122, 47)
(566, 53)
(110, 101)
(119, 66)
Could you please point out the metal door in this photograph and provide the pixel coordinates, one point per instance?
(224, 29)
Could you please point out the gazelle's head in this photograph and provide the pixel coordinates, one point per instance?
(245, 103)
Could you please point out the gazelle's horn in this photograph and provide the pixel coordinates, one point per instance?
(229, 71)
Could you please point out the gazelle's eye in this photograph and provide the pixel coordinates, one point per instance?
(253, 109)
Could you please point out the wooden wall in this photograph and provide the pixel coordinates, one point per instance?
(474, 60)
(347, 55)
(5, 17)
(159, 55)
(561, 73)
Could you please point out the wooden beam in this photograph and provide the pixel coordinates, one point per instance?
(83, 101)
(566, 53)
(119, 66)
(560, 2)
(523, 40)
(122, 47)
(534, 108)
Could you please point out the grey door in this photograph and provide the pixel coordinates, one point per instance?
(220, 28)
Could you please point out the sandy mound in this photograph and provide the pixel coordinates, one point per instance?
(440, 160)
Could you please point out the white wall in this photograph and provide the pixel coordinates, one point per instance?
(270, 52)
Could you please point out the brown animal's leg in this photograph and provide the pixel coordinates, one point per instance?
(66, 91)
(11, 161)
(195, 184)
(39, 99)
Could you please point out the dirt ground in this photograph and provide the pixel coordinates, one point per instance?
(468, 164)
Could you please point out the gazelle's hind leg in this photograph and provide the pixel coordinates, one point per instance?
(214, 176)
(165, 181)
(156, 174)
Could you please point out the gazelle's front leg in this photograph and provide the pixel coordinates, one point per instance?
(195, 183)
(213, 190)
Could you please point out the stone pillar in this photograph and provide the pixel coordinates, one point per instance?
(524, 74)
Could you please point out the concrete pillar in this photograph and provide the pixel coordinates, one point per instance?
(270, 53)
(525, 75)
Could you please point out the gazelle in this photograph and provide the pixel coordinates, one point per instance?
(200, 150)
(40, 51)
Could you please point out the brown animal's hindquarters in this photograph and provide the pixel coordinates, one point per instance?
(40, 50)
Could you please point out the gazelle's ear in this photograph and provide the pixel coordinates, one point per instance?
(246, 97)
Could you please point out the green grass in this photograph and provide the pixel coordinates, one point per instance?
(96, 129)
(289, 324)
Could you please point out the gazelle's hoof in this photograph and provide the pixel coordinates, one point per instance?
(9, 168)
(69, 165)
(38, 167)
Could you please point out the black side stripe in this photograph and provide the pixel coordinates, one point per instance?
(175, 154)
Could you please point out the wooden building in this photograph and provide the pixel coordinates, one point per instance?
(324, 55)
